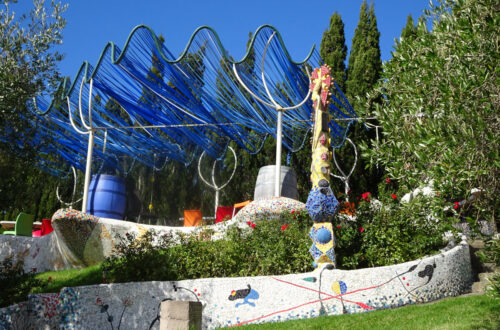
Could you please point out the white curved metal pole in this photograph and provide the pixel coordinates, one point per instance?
(90, 149)
(80, 106)
(71, 119)
(88, 171)
(277, 175)
(214, 185)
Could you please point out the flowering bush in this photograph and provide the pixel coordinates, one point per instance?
(391, 232)
(264, 248)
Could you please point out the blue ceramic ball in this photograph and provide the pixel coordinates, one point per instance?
(323, 235)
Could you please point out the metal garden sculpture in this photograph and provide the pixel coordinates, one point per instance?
(321, 202)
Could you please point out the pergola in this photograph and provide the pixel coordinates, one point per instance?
(144, 103)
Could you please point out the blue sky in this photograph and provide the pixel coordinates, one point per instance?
(92, 23)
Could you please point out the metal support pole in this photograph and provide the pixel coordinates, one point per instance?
(88, 171)
(277, 176)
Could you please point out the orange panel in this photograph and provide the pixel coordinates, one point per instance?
(192, 218)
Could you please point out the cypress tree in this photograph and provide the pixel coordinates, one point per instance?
(409, 32)
(333, 49)
(365, 65)
(363, 72)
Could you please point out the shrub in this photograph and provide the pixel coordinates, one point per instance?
(264, 248)
(387, 232)
(15, 283)
(441, 103)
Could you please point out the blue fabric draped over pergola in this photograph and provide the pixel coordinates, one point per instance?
(151, 106)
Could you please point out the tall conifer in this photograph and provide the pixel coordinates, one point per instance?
(365, 65)
(333, 49)
(409, 32)
(363, 72)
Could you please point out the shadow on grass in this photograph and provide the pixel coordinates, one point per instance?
(57, 280)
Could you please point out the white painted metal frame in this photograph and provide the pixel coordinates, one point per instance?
(278, 108)
(213, 185)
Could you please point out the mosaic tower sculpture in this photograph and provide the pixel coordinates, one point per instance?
(321, 203)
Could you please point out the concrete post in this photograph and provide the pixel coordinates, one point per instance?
(180, 315)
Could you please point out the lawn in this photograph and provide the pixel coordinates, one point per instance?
(471, 312)
(56, 280)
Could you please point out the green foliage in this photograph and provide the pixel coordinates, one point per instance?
(15, 284)
(266, 249)
(491, 254)
(28, 67)
(491, 251)
(409, 32)
(365, 65)
(28, 63)
(440, 111)
(364, 70)
(28, 189)
(494, 288)
(333, 49)
(388, 232)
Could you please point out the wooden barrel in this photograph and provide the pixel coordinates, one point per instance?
(264, 186)
(107, 196)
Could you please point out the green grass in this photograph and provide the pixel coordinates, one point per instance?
(57, 280)
(472, 312)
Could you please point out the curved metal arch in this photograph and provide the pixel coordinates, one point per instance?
(84, 68)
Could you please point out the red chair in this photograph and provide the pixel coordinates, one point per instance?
(45, 229)
(223, 213)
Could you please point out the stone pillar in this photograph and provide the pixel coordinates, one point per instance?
(180, 315)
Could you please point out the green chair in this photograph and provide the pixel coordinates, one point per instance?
(24, 225)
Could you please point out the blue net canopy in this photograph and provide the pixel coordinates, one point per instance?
(148, 104)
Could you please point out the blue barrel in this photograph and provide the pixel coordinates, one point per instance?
(107, 196)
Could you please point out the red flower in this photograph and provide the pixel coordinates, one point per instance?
(50, 278)
(457, 204)
(387, 180)
(349, 192)
(338, 227)
(366, 196)
(249, 223)
(394, 196)
(284, 227)
(98, 301)
(34, 270)
(126, 234)
(293, 211)
(361, 229)
(252, 225)
(438, 194)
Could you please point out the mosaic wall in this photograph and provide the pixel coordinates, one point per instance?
(81, 239)
(40, 254)
(238, 301)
